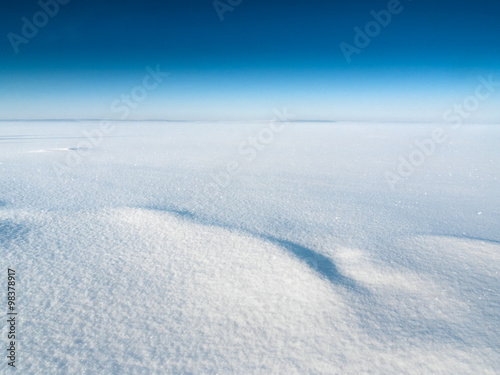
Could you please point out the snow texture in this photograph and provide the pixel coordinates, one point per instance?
(302, 261)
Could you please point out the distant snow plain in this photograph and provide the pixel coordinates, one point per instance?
(143, 257)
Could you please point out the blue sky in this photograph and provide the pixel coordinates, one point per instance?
(263, 55)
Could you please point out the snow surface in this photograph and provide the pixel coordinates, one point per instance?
(307, 262)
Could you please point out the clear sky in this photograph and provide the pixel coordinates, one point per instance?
(263, 55)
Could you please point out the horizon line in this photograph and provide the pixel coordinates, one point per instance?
(251, 121)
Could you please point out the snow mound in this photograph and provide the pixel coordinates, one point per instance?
(129, 290)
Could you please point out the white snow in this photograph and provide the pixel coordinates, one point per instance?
(307, 262)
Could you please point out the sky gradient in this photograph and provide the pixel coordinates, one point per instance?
(263, 55)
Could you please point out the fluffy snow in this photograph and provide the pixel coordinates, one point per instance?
(302, 261)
